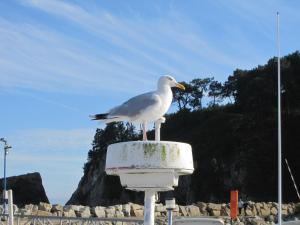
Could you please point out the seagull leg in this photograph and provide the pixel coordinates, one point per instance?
(144, 131)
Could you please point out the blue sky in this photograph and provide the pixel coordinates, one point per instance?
(61, 61)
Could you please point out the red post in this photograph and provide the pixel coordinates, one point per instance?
(234, 201)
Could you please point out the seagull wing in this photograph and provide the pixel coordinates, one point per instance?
(135, 106)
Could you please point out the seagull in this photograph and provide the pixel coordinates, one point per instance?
(144, 108)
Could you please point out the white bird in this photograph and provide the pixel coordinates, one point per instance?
(144, 108)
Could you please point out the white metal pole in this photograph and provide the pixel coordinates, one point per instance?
(149, 207)
(279, 128)
(10, 208)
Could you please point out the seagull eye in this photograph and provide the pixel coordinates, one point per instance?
(170, 79)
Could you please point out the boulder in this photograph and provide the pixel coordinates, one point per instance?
(69, 213)
(110, 211)
(57, 208)
(137, 212)
(193, 210)
(126, 208)
(98, 211)
(42, 213)
(31, 208)
(183, 211)
(160, 208)
(273, 211)
(83, 212)
(264, 212)
(43, 206)
(212, 206)
(119, 214)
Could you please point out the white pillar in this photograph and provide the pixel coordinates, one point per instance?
(157, 127)
(10, 208)
(149, 207)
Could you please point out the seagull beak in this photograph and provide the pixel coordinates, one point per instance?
(180, 86)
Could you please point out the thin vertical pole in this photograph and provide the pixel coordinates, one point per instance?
(279, 128)
(4, 183)
(170, 217)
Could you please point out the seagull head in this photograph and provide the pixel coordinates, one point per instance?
(169, 81)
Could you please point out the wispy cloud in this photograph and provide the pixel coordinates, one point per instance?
(45, 140)
(133, 51)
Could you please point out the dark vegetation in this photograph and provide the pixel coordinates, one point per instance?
(234, 136)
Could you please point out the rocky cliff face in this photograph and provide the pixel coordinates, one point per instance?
(97, 188)
(27, 189)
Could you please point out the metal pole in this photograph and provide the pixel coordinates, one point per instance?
(279, 128)
(4, 184)
(149, 207)
(170, 217)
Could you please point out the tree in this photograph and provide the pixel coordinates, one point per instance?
(215, 91)
(191, 98)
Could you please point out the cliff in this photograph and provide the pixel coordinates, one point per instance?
(27, 189)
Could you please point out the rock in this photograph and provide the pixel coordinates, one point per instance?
(119, 214)
(27, 189)
(160, 208)
(248, 212)
(126, 208)
(215, 212)
(42, 213)
(193, 210)
(157, 214)
(264, 212)
(110, 212)
(284, 212)
(212, 206)
(183, 211)
(98, 211)
(297, 208)
(135, 206)
(257, 221)
(32, 208)
(118, 207)
(271, 218)
(57, 208)
(273, 211)
(258, 205)
(69, 213)
(290, 210)
(225, 211)
(43, 206)
(137, 213)
(73, 207)
(57, 213)
(83, 212)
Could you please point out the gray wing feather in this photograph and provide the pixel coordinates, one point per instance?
(135, 105)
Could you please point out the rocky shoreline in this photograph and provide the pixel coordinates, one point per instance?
(253, 213)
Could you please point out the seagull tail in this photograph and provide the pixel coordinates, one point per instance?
(99, 116)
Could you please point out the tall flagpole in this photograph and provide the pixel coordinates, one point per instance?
(279, 128)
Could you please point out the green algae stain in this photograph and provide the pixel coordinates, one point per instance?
(150, 149)
(163, 153)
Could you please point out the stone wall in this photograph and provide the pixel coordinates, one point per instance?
(260, 211)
